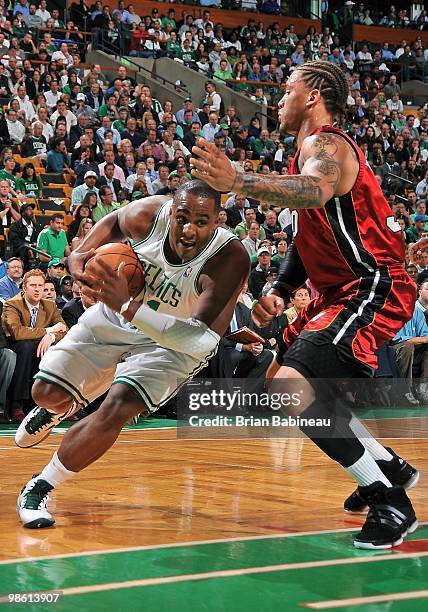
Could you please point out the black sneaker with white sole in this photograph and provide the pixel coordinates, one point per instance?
(398, 472)
(38, 424)
(32, 504)
(390, 518)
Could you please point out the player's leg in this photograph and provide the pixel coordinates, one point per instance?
(391, 514)
(81, 367)
(319, 318)
(82, 444)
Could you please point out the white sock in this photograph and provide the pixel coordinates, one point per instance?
(377, 451)
(55, 473)
(366, 471)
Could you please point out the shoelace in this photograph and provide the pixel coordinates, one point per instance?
(38, 421)
(37, 497)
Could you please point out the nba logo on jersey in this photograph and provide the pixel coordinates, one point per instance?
(188, 272)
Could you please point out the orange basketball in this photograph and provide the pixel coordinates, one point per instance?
(114, 254)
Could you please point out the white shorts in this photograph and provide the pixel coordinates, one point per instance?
(103, 349)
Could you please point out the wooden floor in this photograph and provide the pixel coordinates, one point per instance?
(152, 488)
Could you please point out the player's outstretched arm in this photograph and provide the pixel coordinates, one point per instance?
(327, 164)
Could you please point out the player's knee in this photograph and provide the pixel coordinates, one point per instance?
(51, 396)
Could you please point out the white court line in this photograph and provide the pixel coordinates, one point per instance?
(355, 601)
(109, 551)
(130, 584)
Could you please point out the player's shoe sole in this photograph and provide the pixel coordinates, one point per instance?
(38, 424)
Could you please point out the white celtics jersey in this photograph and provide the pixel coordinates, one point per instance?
(173, 288)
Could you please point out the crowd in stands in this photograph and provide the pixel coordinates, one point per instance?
(76, 145)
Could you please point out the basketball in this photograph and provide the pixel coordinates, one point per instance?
(114, 254)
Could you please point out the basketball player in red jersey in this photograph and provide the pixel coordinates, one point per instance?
(347, 243)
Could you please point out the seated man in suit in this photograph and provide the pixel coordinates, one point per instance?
(9, 284)
(74, 308)
(24, 233)
(247, 360)
(31, 324)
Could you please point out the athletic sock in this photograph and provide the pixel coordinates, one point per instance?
(366, 471)
(376, 450)
(55, 473)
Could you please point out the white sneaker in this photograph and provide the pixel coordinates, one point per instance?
(32, 504)
(38, 424)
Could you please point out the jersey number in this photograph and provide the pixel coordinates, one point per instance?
(294, 222)
(393, 224)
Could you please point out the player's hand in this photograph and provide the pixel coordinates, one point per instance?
(212, 166)
(43, 345)
(76, 263)
(108, 286)
(416, 249)
(267, 308)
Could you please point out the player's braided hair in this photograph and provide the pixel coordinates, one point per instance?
(331, 82)
(199, 188)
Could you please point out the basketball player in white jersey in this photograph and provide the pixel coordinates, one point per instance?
(139, 349)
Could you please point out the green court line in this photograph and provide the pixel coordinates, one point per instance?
(270, 591)
(57, 573)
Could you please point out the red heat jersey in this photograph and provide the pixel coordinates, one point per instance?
(352, 235)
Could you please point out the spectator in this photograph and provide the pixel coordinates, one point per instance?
(109, 180)
(299, 299)
(49, 290)
(58, 160)
(66, 291)
(10, 283)
(74, 308)
(242, 229)
(53, 241)
(23, 233)
(54, 273)
(79, 193)
(252, 242)
(105, 205)
(84, 229)
(7, 367)
(32, 325)
(8, 209)
(248, 360)
(260, 273)
(410, 344)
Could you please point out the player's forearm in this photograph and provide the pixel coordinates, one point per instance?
(286, 191)
(188, 336)
(105, 230)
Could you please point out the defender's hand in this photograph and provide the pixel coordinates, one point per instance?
(267, 308)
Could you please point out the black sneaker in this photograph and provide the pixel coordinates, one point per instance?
(391, 517)
(398, 472)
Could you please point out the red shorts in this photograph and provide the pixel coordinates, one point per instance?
(338, 333)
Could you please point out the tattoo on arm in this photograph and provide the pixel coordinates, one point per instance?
(302, 190)
(286, 191)
(324, 160)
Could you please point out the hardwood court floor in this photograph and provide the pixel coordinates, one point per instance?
(267, 514)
